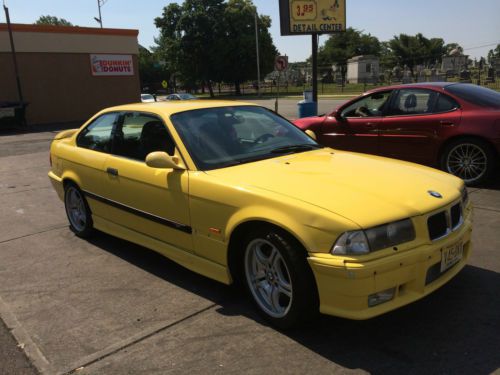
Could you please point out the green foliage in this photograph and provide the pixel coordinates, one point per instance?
(341, 47)
(150, 69)
(450, 47)
(51, 20)
(416, 50)
(493, 54)
(205, 41)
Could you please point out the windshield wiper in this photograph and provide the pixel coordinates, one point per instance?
(295, 148)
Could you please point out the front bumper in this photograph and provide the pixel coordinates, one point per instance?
(344, 287)
(57, 184)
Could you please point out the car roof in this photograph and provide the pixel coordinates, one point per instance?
(168, 108)
(420, 85)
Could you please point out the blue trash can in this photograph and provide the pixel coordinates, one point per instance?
(307, 109)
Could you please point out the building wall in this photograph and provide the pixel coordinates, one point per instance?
(56, 73)
(356, 70)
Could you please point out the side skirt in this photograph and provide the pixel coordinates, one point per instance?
(190, 261)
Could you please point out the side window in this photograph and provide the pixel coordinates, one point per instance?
(413, 102)
(370, 106)
(140, 134)
(97, 135)
(445, 104)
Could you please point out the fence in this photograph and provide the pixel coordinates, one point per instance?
(269, 88)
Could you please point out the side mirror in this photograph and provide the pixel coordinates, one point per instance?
(311, 134)
(336, 114)
(160, 159)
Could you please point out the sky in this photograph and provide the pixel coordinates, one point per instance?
(474, 24)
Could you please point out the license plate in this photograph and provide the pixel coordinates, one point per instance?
(451, 255)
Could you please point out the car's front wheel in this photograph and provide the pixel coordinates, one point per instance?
(470, 159)
(78, 211)
(278, 277)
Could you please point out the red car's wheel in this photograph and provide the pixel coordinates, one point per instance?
(470, 159)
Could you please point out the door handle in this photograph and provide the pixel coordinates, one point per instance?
(112, 171)
(446, 123)
(371, 124)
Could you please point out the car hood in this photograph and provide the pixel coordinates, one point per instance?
(366, 189)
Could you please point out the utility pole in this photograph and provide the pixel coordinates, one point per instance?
(14, 58)
(100, 3)
(315, 67)
(257, 49)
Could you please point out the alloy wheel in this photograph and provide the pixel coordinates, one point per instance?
(75, 208)
(268, 278)
(467, 161)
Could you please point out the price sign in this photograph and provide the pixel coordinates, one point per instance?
(304, 10)
(312, 16)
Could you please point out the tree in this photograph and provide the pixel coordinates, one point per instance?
(237, 59)
(188, 34)
(493, 54)
(150, 69)
(51, 20)
(341, 47)
(205, 41)
(416, 50)
(451, 47)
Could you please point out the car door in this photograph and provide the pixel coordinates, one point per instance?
(94, 146)
(411, 129)
(355, 126)
(150, 201)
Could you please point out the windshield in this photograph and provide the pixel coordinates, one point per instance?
(147, 96)
(475, 94)
(225, 136)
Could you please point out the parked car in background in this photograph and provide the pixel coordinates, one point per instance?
(147, 98)
(452, 126)
(237, 193)
(184, 96)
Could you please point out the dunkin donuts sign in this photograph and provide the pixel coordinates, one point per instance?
(111, 65)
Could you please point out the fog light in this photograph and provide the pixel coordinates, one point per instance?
(381, 297)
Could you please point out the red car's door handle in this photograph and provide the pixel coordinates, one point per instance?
(371, 124)
(446, 123)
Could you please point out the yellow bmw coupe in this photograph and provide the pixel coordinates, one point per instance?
(237, 193)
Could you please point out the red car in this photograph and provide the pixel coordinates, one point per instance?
(453, 126)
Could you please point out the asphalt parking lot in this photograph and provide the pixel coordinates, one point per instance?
(106, 306)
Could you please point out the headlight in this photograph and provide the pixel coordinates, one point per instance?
(351, 243)
(376, 238)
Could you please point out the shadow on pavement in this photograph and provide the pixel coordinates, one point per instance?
(454, 330)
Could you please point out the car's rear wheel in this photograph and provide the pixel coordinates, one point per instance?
(278, 277)
(78, 211)
(470, 159)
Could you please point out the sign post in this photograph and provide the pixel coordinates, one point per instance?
(312, 17)
(280, 64)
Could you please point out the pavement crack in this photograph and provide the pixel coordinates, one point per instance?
(24, 191)
(55, 227)
(139, 339)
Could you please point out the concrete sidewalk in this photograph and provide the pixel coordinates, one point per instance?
(106, 306)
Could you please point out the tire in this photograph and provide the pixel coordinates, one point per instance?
(473, 160)
(278, 278)
(77, 211)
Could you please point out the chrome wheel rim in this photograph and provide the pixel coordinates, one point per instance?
(268, 278)
(467, 161)
(75, 208)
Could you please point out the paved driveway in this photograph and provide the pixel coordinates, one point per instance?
(106, 306)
